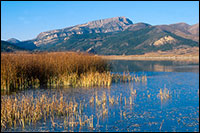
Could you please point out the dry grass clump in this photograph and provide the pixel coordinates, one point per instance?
(21, 70)
(91, 79)
(164, 94)
(126, 77)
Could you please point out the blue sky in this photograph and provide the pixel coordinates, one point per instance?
(24, 20)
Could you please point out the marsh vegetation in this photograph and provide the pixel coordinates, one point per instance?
(19, 71)
(97, 98)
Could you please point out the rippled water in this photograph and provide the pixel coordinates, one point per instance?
(146, 111)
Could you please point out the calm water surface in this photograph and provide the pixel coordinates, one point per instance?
(146, 111)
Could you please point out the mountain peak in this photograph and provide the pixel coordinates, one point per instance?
(98, 26)
(122, 21)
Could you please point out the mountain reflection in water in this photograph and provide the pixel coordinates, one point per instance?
(159, 66)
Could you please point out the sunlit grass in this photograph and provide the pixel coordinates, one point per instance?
(20, 111)
(22, 70)
(126, 77)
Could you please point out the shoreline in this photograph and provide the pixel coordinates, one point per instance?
(151, 58)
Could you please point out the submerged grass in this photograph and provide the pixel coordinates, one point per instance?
(26, 110)
(126, 77)
(164, 94)
(22, 70)
(22, 110)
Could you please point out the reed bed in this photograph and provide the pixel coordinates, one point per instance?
(27, 110)
(22, 110)
(22, 70)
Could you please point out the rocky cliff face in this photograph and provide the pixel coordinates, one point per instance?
(164, 40)
(98, 26)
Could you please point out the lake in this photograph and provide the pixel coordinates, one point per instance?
(131, 106)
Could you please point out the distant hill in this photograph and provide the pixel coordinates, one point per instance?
(13, 41)
(184, 30)
(28, 45)
(116, 35)
(8, 47)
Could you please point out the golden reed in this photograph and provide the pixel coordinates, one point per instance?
(22, 70)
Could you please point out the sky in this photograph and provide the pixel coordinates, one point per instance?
(24, 20)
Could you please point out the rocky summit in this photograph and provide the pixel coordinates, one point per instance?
(98, 26)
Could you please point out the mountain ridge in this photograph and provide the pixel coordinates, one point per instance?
(99, 35)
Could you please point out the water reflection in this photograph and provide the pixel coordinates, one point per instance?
(159, 66)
